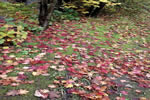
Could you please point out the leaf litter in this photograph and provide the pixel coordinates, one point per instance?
(92, 71)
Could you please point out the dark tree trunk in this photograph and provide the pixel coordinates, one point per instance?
(93, 12)
(46, 9)
(43, 12)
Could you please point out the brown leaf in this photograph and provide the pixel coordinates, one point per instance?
(15, 63)
(143, 98)
(103, 88)
(5, 82)
(21, 91)
(12, 93)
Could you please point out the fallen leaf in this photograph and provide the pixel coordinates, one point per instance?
(51, 86)
(39, 94)
(44, 91)
(35, 73)
(3, 76)
(124, 92)
(123, 81)
(12, 93)
(143, 98)
(103, 88)
(68, 85)
(5, 47)
(138, 91)
(148, 75)
(15, 84)
(9, 61)
(53, 67)
(22, 92)
(53, 95)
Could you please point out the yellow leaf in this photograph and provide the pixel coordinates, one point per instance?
(19, 27)
(68, 85)
(138, 51)
(5, 47)
(9, 61)
(35, 73)
(104, 1)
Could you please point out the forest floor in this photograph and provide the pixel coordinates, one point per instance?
(104, 58)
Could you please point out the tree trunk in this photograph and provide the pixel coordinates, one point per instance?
(43, 12)
(46, 10)
(93, 12)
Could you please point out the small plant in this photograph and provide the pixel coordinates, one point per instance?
(30, 27)
(35, 29)
(66, 14)
(12, 34)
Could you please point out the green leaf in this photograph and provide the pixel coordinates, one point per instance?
(25, 52)
(2, 41)
(2, 29)
(11, 23)
(2, 35)
(69, 50)
(11, 35)
(23, 24)
(24, 36)
(9, 19)
(11, 32)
